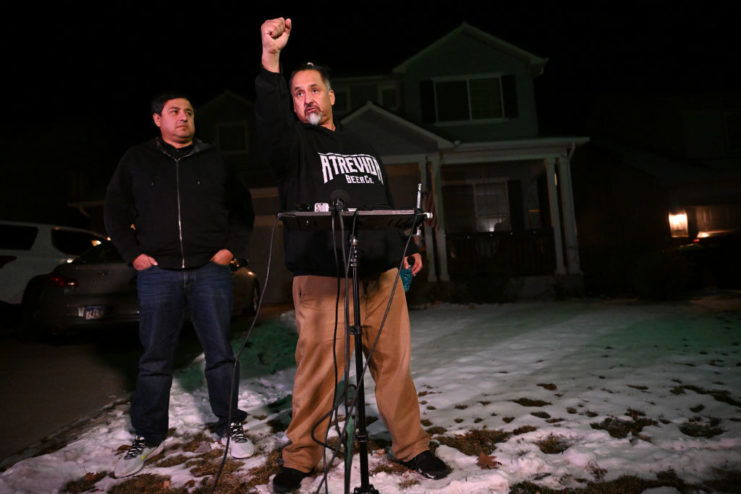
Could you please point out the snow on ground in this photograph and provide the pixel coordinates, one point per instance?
(557, 394)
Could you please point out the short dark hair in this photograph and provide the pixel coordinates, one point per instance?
(323, 72)
(158, 102)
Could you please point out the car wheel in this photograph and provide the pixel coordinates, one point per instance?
(30, 328)
(250, 308)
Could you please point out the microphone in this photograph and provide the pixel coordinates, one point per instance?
(340, 199)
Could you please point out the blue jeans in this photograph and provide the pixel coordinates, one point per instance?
(164, 296)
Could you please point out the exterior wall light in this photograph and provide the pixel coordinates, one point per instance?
(678, 224)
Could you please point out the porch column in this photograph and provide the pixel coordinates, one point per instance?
(550, 173)
(569, 216)
(437, 187)
(428, 230)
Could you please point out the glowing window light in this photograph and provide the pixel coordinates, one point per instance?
(678, 224)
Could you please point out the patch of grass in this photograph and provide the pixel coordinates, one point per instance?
(281, 404)
(86, 483)
(638, 387)
(699, 427)
(146, 483)
(725, 481)
(408, 482)
(279, 423)
(524, 430)
(436, 430)
(621, 428)
(390, 467)
(204, 466)
(527, 402)
(718, 394)
(553, 444)
(194, 443)
(476, 441)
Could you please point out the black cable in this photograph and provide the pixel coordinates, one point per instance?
(333, 409)
(239, 354)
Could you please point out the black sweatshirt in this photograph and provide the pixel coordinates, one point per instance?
(313, 164)
(185, 205)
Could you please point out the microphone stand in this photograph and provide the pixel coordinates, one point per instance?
(318, 220)
(357, 331)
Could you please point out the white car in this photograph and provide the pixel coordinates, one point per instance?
(31, 249)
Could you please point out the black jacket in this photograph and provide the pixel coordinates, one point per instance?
(312, 165)
(184, 205)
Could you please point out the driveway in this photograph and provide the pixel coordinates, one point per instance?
(48, 388)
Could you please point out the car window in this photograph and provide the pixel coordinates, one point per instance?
(17, 237)
(102, 253)
(73, 242)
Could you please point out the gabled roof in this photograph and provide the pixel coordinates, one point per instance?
(398, 139)
(535, 62)
(222, 97)
(392, 134)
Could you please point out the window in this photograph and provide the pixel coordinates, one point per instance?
(476, 207)
(17, 237)
(232, 137)
(101, 254)
(72, 242)
(468, 99)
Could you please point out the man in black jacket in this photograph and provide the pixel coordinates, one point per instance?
(179, 215)
(313, 158)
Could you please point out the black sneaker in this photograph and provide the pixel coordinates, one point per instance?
(428, 465)
(288, 480)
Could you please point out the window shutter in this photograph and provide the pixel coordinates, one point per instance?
(427, 101)
(509, 93)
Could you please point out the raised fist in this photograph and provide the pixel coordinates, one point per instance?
(275, 33)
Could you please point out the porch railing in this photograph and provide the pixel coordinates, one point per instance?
(501, 253)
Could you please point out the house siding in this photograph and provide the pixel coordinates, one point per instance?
(446, 61)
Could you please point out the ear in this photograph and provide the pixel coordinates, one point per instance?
(331, 97)
(157, 119)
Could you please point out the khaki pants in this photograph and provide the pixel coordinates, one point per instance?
(314, 299)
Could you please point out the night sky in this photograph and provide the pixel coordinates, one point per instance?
(79, 80)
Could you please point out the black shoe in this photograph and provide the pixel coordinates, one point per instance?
(428, 465)
(288, 480)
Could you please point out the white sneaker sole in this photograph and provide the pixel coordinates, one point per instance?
(127, 468)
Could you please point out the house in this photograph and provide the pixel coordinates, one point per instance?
(669, 175)
(460, 118)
